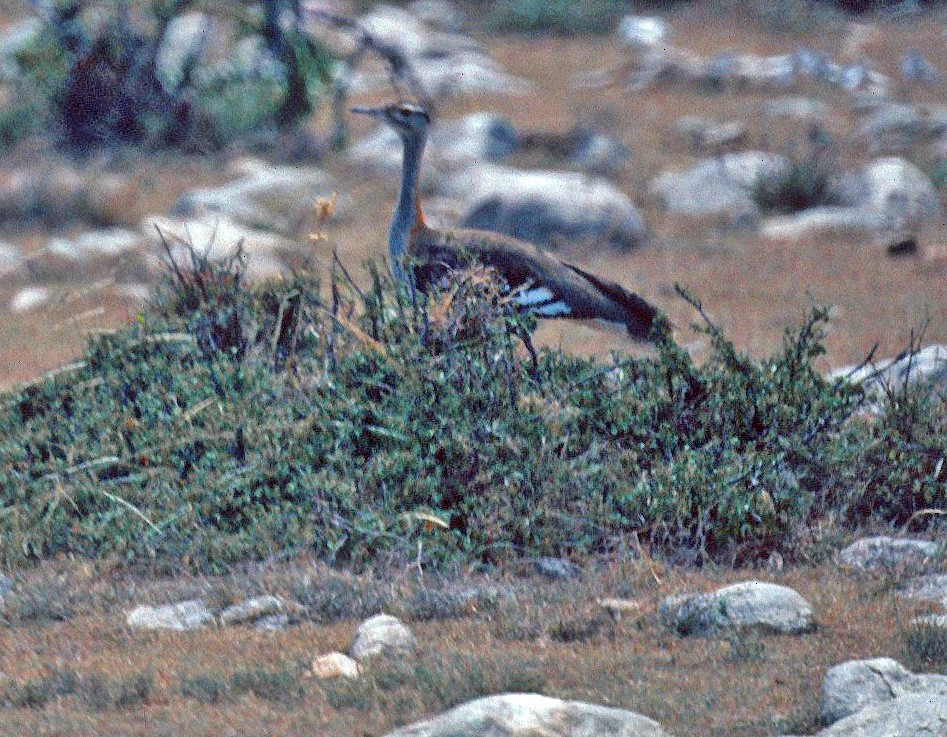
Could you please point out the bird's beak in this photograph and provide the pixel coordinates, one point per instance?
(375, 112)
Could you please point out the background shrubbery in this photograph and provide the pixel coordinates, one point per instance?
(233, 422)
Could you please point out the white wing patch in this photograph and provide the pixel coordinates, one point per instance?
(533, 296)
(553, 309)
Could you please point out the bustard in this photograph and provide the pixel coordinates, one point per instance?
(538, 282)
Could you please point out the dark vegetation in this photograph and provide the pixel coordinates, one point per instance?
(94, 75)
(233, 422)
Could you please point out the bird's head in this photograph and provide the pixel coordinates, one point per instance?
(408, 121)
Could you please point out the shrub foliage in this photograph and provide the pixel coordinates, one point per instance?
(365, 424)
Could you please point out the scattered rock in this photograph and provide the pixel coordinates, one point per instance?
(217, 238)
(20, 36)
(887, 553)
(272, 622)
(546, 207)
(930, 587)
(928, 365)
(518, 715)
(276, 198)
(899, 191)
(252, 610)
(556, 568)
(455, 143)
(799, 108)
(720, 186)
(335, 665)
(897, 126)
(439, 14)
(821, 219)
(915, 715)
(10, 259)
(184, 615)
(598, 153)
(96, 244)
(382, 635)
(643, 31)
(755, 605)
(30, 298)
(183, 38)
(705, 134)
(618, 608)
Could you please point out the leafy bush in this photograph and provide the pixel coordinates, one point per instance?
(806, 182)
(556, 16)
(233, 422)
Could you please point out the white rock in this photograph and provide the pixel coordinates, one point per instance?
(277, 198)
(887, 553)
(930, 587)
(914, 715)
(183, 38)
(721, 186)
(382, 635)
(29, 298)
(439, 14)
(929, 364)
(95, 244)
(10, 259)
(251, 610)
(800, 108)
(335, 665)
(756, 605)
(901, 192)
(18, 37)
(546, 207)
(184, 615)
(525, 714)
(820, 220)
(640, 30)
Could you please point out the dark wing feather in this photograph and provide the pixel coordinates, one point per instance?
(639, 314)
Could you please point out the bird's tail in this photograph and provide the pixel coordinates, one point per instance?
(638, 314)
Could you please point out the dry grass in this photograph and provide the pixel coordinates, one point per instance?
(692, 686)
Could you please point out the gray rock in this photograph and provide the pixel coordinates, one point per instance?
(251, 610)
(439, 14)
(454, 143)
(183, 38)
(931, 587)
(10, 259)
(753, 605)
(18, 37)
(277, 198)
(897, 127)
(929, 364)
(272, 622)
(105, 243)
(556, 568)
(899, 191)
(29, 298)
(598, 153)
(821, 219)
(546, 207)
(884, 553)
(6, 585)
(704, 134)
(184, 615)
(914, 715)
(799, 108)
(382, 636)
(518, 715)
(721, 186)
(217, 239)
(643, 31)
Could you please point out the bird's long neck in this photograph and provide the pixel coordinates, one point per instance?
(407, 213)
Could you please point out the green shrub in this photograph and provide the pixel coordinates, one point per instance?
(233, 422)
(806, 182)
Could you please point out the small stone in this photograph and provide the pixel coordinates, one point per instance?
(335, 665)
(28, 299)
(557, 568)
(184, 615)
(755, 605)
(251, 610)
(382, 635)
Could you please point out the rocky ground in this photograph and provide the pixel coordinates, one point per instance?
(638, 154)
